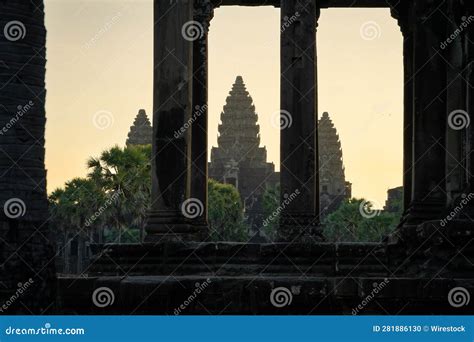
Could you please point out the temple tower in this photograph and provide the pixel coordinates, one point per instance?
(239, 160)
(333, 186)
(141, 132)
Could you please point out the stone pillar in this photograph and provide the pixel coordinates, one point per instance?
(402, 13)
(299, 138)
(429, 82)
(171, 210)
(468, 48)
(26, 251)
(456, 134)
(203, 13)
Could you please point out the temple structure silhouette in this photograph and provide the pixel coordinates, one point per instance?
(141, 132)
(429, 256)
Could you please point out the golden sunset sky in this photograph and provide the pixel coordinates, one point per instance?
(100, 66)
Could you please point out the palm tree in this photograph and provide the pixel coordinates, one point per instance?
(125, 174)
(76, 215)
(22, 170)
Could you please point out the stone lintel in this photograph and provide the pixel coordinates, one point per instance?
(324, 3)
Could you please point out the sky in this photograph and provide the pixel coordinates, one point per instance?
(100, 70)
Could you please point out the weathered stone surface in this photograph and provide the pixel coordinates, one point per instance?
(299, 219)
(252, 295)
(26, 254)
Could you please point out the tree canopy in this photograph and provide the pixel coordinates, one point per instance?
(113, 200)
(225, 213)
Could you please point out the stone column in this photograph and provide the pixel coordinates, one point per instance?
(468, 48)
(299, 138)
(402, 13)
(203, 13)
(456, 134)
(26, 246)
(429, 82)
(171, 211)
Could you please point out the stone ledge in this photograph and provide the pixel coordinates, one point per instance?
(191, 258)
(251, 295)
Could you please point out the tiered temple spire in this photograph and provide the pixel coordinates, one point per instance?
(239, 137)
(333, 185)
(239, 160)
(141, 132)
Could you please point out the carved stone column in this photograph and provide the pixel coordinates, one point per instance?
(299, 138)
(402, 13)
(457, 119)
(429, 82)
(171, 213)
(468, 48)
(203, 13)
(26, 238)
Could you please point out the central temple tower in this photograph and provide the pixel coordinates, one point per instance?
(239, 160)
